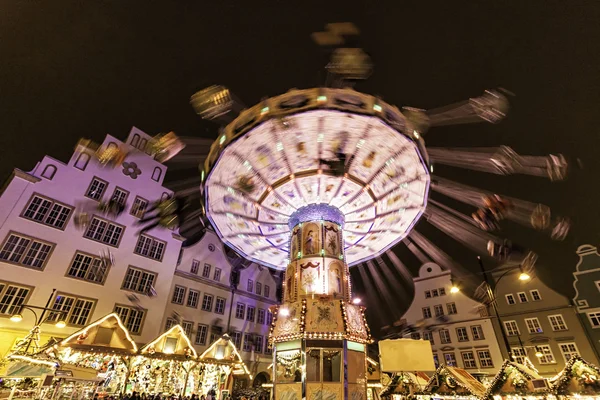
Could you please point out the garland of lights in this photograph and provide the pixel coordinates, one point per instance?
(586, 375)
(520, 378)
(445, 377)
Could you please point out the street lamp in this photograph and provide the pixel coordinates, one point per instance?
(454, 288)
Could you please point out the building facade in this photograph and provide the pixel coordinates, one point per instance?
(153, 282)
(587, 292)
(460, 332)
(536, 319)
(42, 248)
(209, 298)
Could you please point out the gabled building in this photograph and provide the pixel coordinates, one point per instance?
(539, 320)
(587, 292)
(42, 249)
(460, 332)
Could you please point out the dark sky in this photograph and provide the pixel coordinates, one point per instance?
(71, 69)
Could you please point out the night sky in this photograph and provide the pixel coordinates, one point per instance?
(71, 69)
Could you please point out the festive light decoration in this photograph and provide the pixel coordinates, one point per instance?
(85, 330)
(578, 377)
(176, 329)
(33, 360)
(518, 376)
(455, 382)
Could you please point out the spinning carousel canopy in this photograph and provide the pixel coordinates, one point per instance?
(281, 155)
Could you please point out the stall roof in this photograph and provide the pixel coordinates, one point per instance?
(461, 379)
(498, 382)
(418, 380)
(107, 333)
(172, 343)
(223, 351)
(562, 382)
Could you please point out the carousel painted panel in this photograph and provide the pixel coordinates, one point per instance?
(288, 324)
(335, 279)
(311, 276)
(356, 323)
(329, 187)
(275, 202)
(288, 391)
(309, 188)
(347, 191)
(266, 156)
(295, 243)
(289, 193)
(323, 315)
(290, 282)
(357, 391)
(312, 242)
(221, 200)
(333, 239)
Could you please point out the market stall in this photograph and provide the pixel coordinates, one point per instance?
(218, 366)
(167, 365)
(455, 383)
(374, 385)
(514, 379)
(404, 384)
(578, 379)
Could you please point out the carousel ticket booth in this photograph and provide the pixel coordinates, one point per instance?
(319, 336)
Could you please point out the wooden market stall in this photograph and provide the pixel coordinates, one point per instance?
(218, 365)
(578, 379)
(166, 365)
(514, 379)
(454, 382)
(403, 384)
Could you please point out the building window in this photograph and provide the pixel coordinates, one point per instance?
(477, 332)
(207, 301)
(48, 212)
(138, 280)
(188, 327)
(436, 360)
(260, 318)
(547, 357)
(268, 347)
(451, 308)
(82, 161)
(258, 343)
(485, 359)
(150, 247)
(120, 196)
(439, 310)
(510, 299)
(434, 293)
(535, 295)
(426, 312)
(206, 271)
(12, 297)
(250, 285)
(250, 311)
(522, 297)
(178, 295)
(533, 325)
(89, 268)
(49, 172)
(267, 290)
(415, 336)
(220, 305)
(445, 336)
(139, 207)
(240, 310)
(131, 317)
(96, 189)
(217, 276)
(568, 350)
(450, 359)
(468, 359)
(76, 311)
(201, 334)
(428, 336)
(156, 174)
(236, 337)
(27, 251)
(258, 288)
(193, 297)
(519, 354)
(442, 291)
(135, 139)
(594, 319)
(511, 328)
(462, 334)
(557, 322)
(170, 323)
(195, 267)
(428, 294)
(269, 317)
(105, 232)
(248, 342)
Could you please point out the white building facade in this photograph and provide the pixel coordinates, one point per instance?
(460, 332)
(42, 249)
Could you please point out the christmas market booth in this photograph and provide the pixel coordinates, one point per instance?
(579, 379)
(402, 384)
(99, 357)
(374, 385)
(454, 383)
(514, 379)
(167, 365)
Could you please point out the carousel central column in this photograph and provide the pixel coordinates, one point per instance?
(319, 337)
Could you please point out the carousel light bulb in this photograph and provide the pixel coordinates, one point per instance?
(356, 300)
(284, 312)
(60, 324)
(524, 276)
(16, 318)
